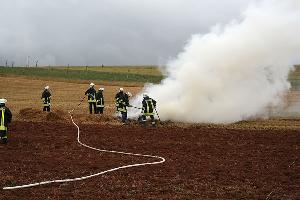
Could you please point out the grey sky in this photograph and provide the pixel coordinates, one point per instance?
(112, 32)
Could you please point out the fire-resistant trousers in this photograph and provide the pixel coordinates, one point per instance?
(3, 136)
(91, 105)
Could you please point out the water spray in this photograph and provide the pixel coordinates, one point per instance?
(157, 115)
(71, 112)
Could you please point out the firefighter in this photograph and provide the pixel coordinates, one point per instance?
(123, 103)
(118, 97)
(91, 93)
(100, 101)
(46, 97)
(5, 119)
(148, 109)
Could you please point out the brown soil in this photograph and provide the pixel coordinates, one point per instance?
(202, 162)
(257, 159)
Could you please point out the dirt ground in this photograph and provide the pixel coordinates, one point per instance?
(256, 159)
(201, 162)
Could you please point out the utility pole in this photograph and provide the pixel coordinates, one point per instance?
(12, 64)
(28, 57)
(36, 63)
(6, 65)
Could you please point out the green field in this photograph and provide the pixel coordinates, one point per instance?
(73, 73)
(129, 74)
(143, 70)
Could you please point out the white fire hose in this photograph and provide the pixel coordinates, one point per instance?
(162, 160)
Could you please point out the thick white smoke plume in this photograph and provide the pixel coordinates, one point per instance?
(234, 72)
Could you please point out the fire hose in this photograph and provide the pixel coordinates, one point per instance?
(161, 160)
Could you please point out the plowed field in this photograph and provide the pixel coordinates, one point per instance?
(257, 159)
(201, 162)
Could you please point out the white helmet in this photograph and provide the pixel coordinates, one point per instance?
(47, 87)
(121, 89)
(129, 94)
(145, 95)
(3, 101)
(102, 89)
(92, 84)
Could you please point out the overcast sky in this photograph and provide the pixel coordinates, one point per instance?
(109, 32)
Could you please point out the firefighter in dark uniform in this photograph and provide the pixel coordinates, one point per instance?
(118, 96)
(46, 97)
(5, 119)
(148, 109)
(123, 103)
(100, 101)
(91, 93)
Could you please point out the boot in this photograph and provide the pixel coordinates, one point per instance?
(4, 140)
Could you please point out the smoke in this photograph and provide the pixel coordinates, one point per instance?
(234, 72)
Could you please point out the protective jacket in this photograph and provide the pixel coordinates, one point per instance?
(91, 93)
(5, 117)
(148, 106)
(99, 99)
(122, 101)
(46, 96)
(118, 99)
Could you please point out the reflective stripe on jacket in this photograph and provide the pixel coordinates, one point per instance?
(46, 101)
(149, 106)
(92, 98)
(100, 103)
(99, 99)
(122, 106)
(2, 124)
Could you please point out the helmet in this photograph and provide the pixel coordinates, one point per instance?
(47, 87)
(129, 94)
(102, 89)
(3, 101)
(145, 95)
(121, 89)
(92, 84)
